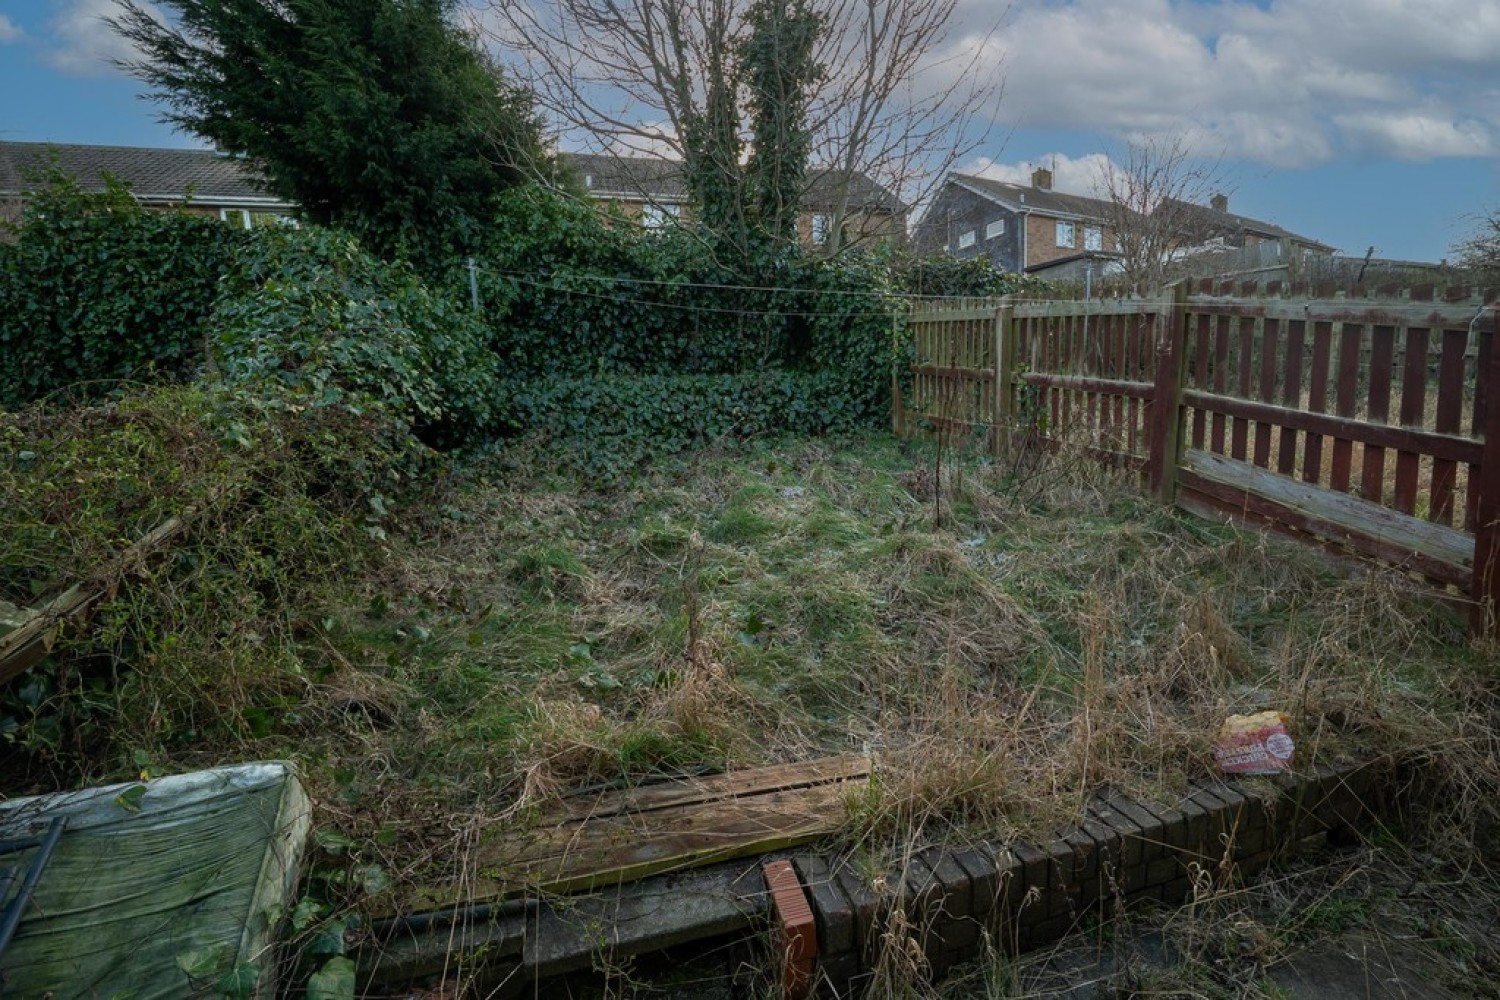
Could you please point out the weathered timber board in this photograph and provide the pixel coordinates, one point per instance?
(1397, 534)
(22, 649)
(753, 781)
(624, 836)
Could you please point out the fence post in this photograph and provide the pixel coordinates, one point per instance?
(1165, 442)
(1484, 589)
(1005, 363)
(898, 408)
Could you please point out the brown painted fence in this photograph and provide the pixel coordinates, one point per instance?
(1363, 424)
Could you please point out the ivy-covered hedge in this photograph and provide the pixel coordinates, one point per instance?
(634, 344)
(309, 318)
(95, 289)
(629, 343)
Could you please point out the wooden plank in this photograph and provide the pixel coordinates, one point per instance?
(1413, 415)
(1346, 401)
(1317, 400)
(709, 788)
(1200, 378)
(1450, 403)
(1484, 588)
(599, 850)
(1270, 342)
(1459, 449)
(1382, 357)
(1109, 387)
(1398, 536)
(1213, 501)
(1098, 307)
(1482, 395)
(1164, 440)
(1241, 435)
(25, 647)
(1340, 311)
(1221, 379)
(1291, 395)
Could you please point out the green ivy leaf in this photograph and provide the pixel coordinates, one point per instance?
(334, 981)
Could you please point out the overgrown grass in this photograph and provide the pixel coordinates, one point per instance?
(518, 635)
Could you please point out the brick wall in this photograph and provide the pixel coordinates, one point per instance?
(1024, 895)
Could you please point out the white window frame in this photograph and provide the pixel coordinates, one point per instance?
(656, 217)
(966, 239)
(996, 228)
(1093, 238)
(239, 216)
(820, 228)
(1067, 235)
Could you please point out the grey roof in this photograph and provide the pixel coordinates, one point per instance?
(151, 174)
(1215, 222)
(1019, 196)
(656, 179)
(1022, 196)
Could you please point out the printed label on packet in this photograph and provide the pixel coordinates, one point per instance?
(1254, 744)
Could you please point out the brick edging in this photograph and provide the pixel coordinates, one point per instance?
(1124, 852)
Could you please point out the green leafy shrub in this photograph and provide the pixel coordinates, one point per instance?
(310, 319)
(205, 642)
(96, 289)
(639, 344)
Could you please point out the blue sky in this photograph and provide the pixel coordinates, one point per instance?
(1356, 122)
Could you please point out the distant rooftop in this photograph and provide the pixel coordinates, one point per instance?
(153, 175)
(1211, 218)
(659, 179)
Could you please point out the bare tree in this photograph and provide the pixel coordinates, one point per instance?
(1161, 204)
(1480, 250)
(904, 94)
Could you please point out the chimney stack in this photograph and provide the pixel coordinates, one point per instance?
(1041, 179)
(1219, 203)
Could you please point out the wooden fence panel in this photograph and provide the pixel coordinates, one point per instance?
(1285, 408)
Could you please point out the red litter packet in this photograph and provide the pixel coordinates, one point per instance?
(1254, 744)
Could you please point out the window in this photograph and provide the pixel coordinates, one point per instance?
(822, 225)
(244, 218)
(966, 240)
(1093, 239)
(1065, 236)
(656, 216)
(994, 229)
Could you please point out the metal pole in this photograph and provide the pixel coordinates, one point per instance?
(473, 285)
(11, 919)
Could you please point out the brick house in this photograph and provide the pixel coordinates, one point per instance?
(1019, 229)
(653, 190)
(1036, 230)
(197, 180)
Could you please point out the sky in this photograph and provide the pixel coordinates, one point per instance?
(1356, 122)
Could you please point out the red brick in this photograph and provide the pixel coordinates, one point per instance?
(793, 936)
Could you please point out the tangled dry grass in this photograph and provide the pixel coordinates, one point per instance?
(1001, 646)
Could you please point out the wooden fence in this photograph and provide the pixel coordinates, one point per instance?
(1361, 424)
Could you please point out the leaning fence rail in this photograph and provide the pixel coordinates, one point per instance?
(1362, 424)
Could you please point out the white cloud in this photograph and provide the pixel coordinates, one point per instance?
(1291, 83)
(1417, 136)
(1072, 175)
(82, 44)
(9, 30)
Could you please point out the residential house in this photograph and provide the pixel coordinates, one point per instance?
(650, 189)
(196, 180)
(1037, 230)
(654, 191)
(1019, 229)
